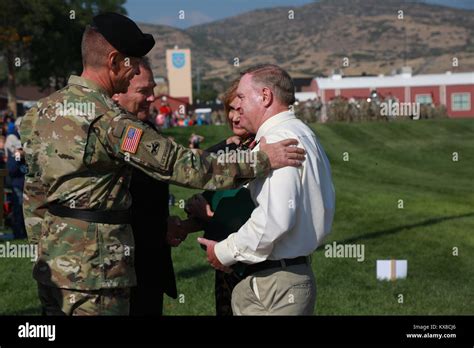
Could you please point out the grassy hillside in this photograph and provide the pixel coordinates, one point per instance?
(407, 160)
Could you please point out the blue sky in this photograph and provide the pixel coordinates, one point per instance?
(202, 11)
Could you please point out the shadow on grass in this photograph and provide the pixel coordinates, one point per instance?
(193, 271)
(428, 222)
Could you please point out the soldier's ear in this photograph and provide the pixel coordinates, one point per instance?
(113, 61)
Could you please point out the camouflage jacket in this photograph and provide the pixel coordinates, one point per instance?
(80, 148)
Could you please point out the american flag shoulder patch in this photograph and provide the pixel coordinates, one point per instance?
(132, 139)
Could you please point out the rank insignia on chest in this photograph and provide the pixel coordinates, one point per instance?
(131, 140)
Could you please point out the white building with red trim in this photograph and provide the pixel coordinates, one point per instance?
(454, 90)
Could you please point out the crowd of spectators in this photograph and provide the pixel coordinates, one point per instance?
(13, 170)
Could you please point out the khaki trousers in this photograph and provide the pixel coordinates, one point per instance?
(279, 291)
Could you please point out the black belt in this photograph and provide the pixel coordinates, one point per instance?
(268, 264)
(113, 217)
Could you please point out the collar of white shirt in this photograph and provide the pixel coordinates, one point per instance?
(272, 122)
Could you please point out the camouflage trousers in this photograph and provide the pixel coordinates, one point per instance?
(58, 301)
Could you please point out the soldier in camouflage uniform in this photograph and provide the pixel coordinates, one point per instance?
(80, 148)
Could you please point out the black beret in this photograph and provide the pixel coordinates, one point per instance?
(122, 33)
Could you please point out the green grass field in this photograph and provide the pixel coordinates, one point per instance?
(407, 160)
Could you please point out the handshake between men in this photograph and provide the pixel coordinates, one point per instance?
(198, 210)
(199, 213)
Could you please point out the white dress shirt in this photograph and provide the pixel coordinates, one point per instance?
(294, 206)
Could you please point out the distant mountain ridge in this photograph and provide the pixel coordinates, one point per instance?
(323, 35)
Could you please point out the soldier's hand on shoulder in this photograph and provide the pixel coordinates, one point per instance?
(283, 153)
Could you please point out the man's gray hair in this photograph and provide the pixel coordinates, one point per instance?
(277, 79)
